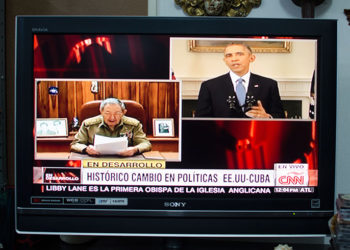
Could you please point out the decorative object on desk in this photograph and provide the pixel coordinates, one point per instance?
(51, 127)
(94, 87)
(75, 124)
(257, 46)
(307, 7)
(347, 14)
(53, 93)
(231, 8)
(163, 127)
(53, 90)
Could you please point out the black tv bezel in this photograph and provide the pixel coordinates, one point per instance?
(173, 221)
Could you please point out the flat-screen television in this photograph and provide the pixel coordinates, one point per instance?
(208, 170)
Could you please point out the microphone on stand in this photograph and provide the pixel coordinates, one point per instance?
(231, 100)
(250, 102)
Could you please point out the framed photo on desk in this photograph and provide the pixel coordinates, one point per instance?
(51, 127)
(163, 127)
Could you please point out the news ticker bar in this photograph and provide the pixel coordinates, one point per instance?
(122, 201)
(59, 188)
(282, 175)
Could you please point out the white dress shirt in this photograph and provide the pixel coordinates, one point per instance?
(245, 81)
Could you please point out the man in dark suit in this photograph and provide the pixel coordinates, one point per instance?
(239, 93)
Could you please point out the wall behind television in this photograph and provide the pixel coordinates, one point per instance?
(329, 9)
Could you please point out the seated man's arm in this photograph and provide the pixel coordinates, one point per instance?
(140, 140)
(81, 140)
(140, 143)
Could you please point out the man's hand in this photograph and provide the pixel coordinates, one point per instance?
(129, 151)
(258, 112)
(90, 150)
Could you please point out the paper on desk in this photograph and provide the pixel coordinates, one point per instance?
(110, 145)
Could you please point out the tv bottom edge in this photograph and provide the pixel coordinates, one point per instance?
(106, 212)
(181, 225)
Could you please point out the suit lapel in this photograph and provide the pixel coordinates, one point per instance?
(228, 85)
(254, 86)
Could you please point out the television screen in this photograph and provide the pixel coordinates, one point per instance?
(139, 122)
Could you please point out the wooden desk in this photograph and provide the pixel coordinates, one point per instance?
(54, 144)
(52, 156)
(62, 144)
(170, 144)
(79, 156)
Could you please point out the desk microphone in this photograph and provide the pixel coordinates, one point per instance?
(231, 100)
(250, 102)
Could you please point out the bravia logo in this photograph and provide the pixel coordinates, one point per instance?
(175, 204)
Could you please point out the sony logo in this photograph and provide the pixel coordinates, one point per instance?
(175, 204)
(41, 29)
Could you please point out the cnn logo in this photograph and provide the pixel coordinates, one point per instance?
(286, 180)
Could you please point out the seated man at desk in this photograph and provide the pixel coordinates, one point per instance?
(112, 123)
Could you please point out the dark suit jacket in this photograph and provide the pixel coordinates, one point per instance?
(214, 93)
